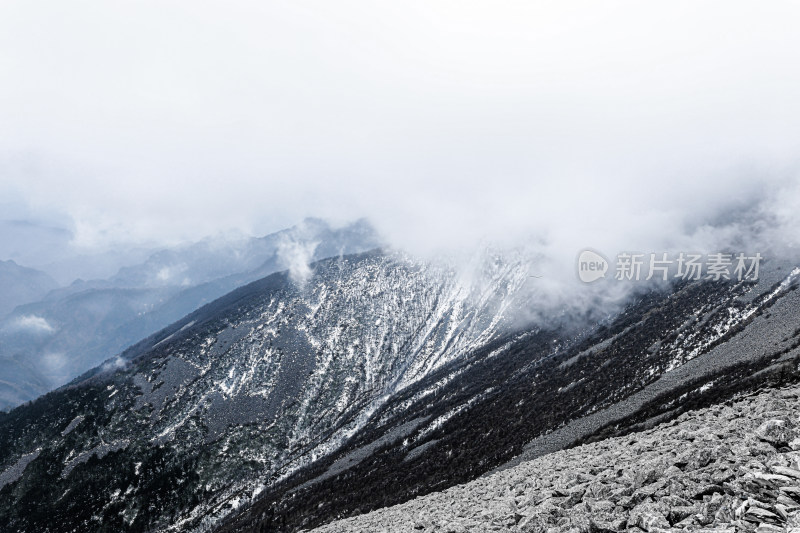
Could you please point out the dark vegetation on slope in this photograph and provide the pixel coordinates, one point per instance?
(44, 498)
(33, 504)
(780, 368)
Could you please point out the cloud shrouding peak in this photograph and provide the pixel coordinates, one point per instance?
(572, 124)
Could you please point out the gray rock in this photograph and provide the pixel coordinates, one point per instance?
(778, 432)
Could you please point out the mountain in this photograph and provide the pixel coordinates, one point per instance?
(76, 328)
(192, 421)
(369, 381)
(21, 379)
(50, 246)
(542, 390)
(20, 285)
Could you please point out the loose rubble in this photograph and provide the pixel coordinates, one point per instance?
(733, 467)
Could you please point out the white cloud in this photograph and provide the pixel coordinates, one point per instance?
(33, 324)
(114, 363)
(570, 124)
(296, 256)
(169, 273)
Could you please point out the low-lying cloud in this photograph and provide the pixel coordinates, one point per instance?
(115, 363)
(296, 256)
(32, 324)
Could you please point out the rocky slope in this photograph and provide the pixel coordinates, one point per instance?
(731, 467)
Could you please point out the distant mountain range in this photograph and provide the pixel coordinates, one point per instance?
(54, 338)
(20, 285)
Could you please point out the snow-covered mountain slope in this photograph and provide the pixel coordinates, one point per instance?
(82, 325)
(545, 389)
(733, 467)
(365, 381)
(195, 421)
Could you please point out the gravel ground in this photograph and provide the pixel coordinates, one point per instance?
(729, 468)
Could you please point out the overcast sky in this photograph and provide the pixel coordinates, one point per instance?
(586, 123)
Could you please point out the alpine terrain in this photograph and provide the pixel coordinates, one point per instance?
(372, 380)
(240, 394)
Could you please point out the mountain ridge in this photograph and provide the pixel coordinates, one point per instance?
(496, 425)
(253, 361)
(289, 403)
